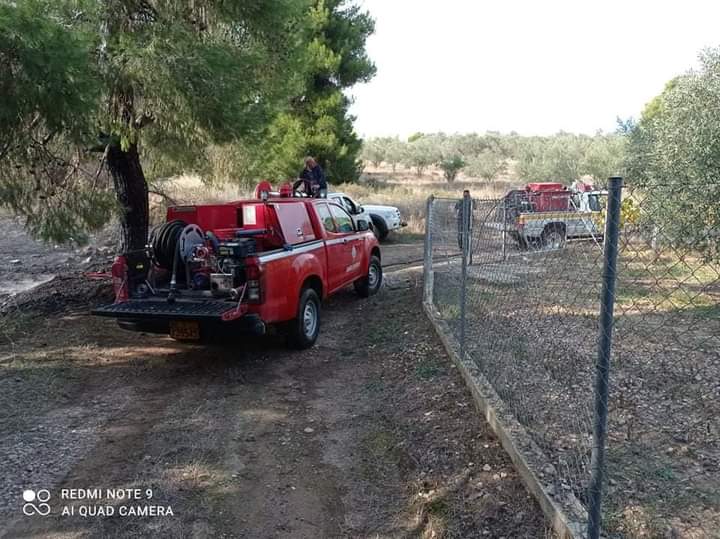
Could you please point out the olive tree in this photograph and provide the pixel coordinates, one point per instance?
(373, 151)
(486, 165)
(674, 157)
(422, 152)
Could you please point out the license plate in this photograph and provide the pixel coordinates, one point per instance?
(183, 330)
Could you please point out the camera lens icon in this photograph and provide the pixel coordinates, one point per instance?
(30, 496)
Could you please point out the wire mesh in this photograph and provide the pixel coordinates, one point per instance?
(532, 288)
(664, 431)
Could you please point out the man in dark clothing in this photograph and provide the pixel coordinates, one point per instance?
(459, 212)
(313, 179)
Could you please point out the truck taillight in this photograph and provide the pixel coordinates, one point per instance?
(252, 272)
(119, 272)
(253, 277)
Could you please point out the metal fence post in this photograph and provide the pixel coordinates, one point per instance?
(465, 237)
(602, 374)
(428, 263)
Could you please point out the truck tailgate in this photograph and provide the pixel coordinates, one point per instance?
(208, 309)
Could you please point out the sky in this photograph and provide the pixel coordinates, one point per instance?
(535, 67)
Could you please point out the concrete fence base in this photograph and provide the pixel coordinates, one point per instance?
(563, 510)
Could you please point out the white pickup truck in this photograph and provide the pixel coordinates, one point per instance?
(381, 219)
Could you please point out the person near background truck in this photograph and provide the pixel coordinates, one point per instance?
(459, 212)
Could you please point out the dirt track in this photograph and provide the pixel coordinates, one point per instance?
(370, 433)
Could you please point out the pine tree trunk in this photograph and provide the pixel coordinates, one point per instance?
(132, 194)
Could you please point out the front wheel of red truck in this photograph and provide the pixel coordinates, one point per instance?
(371, 283)
(304, 330)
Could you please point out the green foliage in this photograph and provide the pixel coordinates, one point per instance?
(421, 153)
(394, 152)
(451, 166)
(318, 122)
(49, 93)
(449, 157)
(390, 150)
(178, 80)
(213, 74)
(563, 157)
(674, 158)
(566, 157)
(486, 165)
(374, 151)
(44, 75)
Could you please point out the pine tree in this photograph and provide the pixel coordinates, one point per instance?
(318, 122)
(133, 80)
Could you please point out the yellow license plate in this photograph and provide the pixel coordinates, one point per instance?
(183, 330)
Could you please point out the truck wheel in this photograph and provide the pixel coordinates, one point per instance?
(304, 330)
(379, 227)
(371, 283)
(553, 238)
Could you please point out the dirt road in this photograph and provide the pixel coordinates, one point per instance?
(371, 433)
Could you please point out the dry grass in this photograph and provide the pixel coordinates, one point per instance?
(410, 192)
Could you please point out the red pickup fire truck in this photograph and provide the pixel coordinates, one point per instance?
(243, 266)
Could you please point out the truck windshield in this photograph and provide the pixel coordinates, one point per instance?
(349, 206)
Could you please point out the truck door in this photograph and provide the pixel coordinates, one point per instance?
(352, 244)
(341, 245)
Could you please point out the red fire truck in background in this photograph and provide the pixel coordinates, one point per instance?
(547, 214)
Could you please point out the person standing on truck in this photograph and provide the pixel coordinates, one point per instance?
(313, 179)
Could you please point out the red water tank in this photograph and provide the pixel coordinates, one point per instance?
(548, 196)
(544, 186)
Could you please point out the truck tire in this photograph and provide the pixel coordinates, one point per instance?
(371, 283)
(380, 229)
(304, 330)
(553, 237)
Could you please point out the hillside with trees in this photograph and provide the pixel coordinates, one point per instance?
(561, 157)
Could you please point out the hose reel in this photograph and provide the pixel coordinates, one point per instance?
(171, 236)
(164, 242)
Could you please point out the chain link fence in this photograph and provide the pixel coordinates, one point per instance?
(519, 283)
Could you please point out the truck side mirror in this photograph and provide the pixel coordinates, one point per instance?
(362, 226)
(360, 209)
